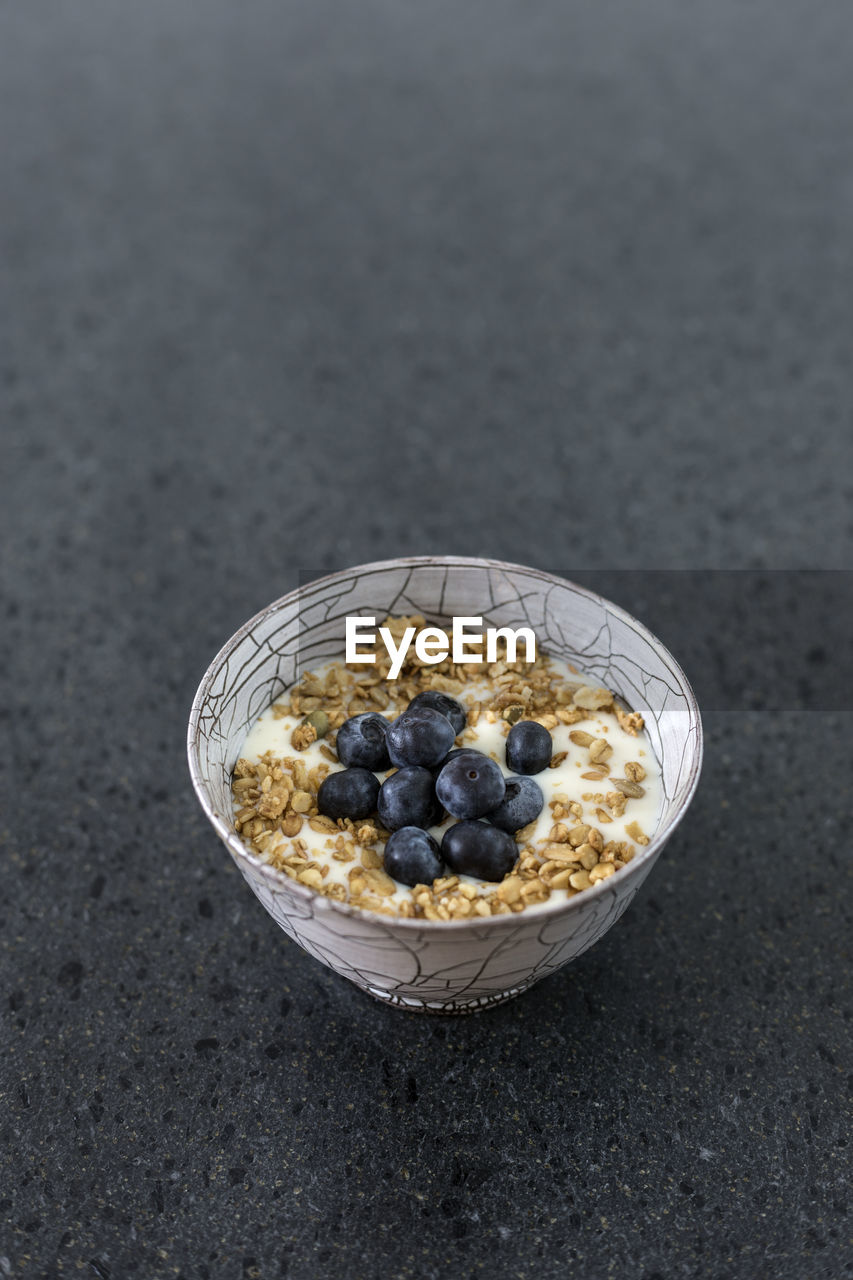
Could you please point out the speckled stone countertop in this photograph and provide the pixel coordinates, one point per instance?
(292, 287)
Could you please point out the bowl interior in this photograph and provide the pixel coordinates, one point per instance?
(306, 628)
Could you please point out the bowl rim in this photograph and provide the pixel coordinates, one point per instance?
(548, 911)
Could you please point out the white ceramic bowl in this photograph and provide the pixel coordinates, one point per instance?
(436, 966)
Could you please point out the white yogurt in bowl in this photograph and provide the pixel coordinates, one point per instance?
(593, 754)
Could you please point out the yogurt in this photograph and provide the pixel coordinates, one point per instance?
(587, 830)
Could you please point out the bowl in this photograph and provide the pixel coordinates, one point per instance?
(427, 966)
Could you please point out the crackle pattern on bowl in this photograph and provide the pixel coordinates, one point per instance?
(453, 967)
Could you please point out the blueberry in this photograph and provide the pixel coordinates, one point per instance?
(348, 793)
(421, 737)
(412, 856)
(407, 799)
(528, 747)
(361, 741)
(444, 704)
(470, 785)
(477, 849)
(522, 803)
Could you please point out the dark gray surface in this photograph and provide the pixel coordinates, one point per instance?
(289, 287)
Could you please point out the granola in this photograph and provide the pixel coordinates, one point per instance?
(582, 836)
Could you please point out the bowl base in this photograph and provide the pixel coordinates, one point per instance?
(446, 1008)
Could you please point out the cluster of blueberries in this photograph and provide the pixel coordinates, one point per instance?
(434, 778)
